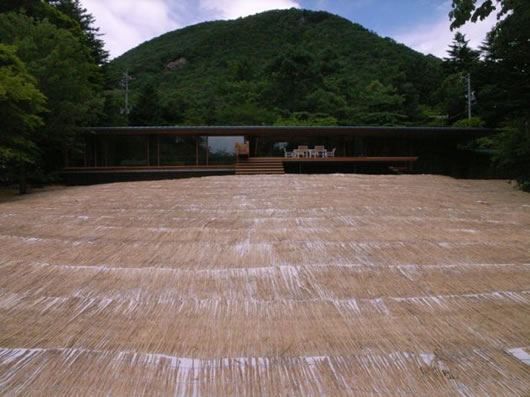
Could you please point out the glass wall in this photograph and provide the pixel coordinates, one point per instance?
(274, 146)
(121, 151)
(221, 149)
(177, 150)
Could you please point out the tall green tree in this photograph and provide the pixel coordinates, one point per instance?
(474, 10)
(90, 35)
(64, 73)
(462, 63)
(21, 107)
(294, 75)
(146, 111)
(507, 75)
(379, 104)
(462, 58)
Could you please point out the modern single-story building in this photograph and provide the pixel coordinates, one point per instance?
(106, 154)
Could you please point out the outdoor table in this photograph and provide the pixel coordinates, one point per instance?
(318, 153)
(299, 152)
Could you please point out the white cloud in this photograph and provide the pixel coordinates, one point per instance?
(435, 38)
(230, 9)
(127, 23)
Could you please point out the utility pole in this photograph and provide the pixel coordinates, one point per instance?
(125, 84)
(469, 94)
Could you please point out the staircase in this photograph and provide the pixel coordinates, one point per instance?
(260, 166)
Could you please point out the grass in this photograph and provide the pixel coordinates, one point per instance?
(270, 285)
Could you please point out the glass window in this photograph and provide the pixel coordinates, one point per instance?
(178, 150)
(118, 150)
(221, 149)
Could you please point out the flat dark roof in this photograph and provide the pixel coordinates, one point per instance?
(288, 130)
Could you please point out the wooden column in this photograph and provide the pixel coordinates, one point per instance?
(148, 137)
(95, 152)
(197, 139)
(106, 153)
(158, 150)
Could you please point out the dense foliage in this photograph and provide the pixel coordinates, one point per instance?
(503, 80)
(267, 68)
(20, 105)
(58, 54)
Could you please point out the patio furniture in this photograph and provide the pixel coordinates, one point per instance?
(288, 154)
(242, 149)
(304, 150)
(332, 153)
(299, 153)
(318, 151)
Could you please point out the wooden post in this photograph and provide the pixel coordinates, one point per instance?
(106, 152)
(158, 150)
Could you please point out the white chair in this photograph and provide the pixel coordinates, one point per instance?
(331, 154)
(298, 153)
(304, 150)
(318, 151)
(288, 154)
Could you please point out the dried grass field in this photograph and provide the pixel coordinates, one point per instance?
(292, 285)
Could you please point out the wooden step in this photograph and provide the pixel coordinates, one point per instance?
(280, 166)
(259, 172)
(259, 167)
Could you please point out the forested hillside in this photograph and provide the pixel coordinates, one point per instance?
(278, 67)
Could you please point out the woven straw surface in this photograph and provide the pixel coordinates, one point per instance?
(285, 285)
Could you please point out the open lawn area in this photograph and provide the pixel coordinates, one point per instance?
(290, 285)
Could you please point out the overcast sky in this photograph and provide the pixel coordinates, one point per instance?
(420, 24)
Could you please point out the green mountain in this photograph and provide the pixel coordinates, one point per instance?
(278, 67)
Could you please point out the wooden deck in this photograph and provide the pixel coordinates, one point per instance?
(245, 166)
(95, 175)
(356, 159)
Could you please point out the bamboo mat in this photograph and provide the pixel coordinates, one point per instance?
(292, 285)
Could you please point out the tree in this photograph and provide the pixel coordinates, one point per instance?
(462, 58)
(452, 97)
(15, 5)
(471, 10)
(306, 118)
(40, 10)
(244, 114)
(90, 34)
(293, 75)
(146, 111)
(507, 70)
(380, 105)
(21, 105)
(462, 62)
(65, 14)
(64, 73)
